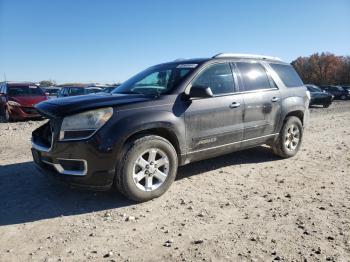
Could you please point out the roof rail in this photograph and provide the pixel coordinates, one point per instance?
(223, 55)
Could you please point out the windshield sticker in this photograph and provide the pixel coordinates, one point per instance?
(187, 66)
(33, 87)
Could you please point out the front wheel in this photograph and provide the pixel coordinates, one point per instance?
(326, 105)
(147, 169)
(7, 116)
(343, 97)
(289, 139)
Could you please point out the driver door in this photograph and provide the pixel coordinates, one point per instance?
(214, 125)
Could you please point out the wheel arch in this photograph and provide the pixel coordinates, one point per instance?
(161, 131)
(297, 113)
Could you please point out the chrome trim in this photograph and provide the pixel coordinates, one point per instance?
(242, 141)
(62, 171)
(233, 55)
(43, 148)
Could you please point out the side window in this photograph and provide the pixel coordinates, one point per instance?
(254, 76)
(218, 77)
(288, 75)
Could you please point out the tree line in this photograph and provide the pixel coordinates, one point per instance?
(323, 69)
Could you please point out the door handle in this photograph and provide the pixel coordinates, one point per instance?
(235, 105)
(275, 99)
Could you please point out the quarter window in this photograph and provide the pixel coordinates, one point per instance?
(254, 76)
(288, 75)
(218, 77)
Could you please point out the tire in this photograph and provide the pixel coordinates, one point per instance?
(285, 146)
(5, 116)
(326, 105)
(343, 97)
(138, 177)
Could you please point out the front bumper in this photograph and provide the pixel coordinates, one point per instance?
(22, 113)
(82, 163)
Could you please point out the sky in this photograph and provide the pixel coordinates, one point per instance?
(109, 41)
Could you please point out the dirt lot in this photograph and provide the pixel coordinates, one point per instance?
(248, 206)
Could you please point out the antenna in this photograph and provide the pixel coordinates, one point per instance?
(4, 77)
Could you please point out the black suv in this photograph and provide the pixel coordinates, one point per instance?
(169, 115)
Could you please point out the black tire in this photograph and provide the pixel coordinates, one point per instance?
(326, 105)
(5, 116)
(279, 147)
(343, 97)
(125, 169)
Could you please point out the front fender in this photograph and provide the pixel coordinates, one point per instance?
(130, 122)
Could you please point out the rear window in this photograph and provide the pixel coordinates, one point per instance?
(25, 90)
(288, 75)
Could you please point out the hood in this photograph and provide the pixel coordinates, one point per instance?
(75, 104)
(28, 101)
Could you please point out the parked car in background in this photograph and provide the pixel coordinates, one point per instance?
(338, 91)
(319, 96)
(17, 100)
(346, 87)
(78, 90)
(52, 91)
(168, 115)
(109, 89)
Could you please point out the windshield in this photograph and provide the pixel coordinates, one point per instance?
(156, 80)
(25, 91)
(339, 88)
(92, 90)
(314, 89)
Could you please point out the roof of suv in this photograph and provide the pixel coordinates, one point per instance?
(226, 56)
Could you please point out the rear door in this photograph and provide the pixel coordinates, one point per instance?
(215, 123)
(261, 99)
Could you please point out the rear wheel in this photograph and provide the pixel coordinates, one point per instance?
(326, 105)
(343, 97)
(147, 169)
(289, 139)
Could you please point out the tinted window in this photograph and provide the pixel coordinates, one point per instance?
(254, 76)
(25, 90)
(288, 75)
(218, 77)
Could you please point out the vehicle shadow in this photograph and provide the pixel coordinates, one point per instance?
(26, 195)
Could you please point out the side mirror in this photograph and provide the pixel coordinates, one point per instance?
(200, 92)
(47, 94)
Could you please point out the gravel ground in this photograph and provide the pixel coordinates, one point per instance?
(245, 206)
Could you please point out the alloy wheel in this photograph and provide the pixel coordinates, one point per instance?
(292, 138)
(151, 169)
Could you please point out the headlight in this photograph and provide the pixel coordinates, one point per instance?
(83, 125)
(13, 103)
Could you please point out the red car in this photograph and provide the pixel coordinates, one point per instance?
(17, 100)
